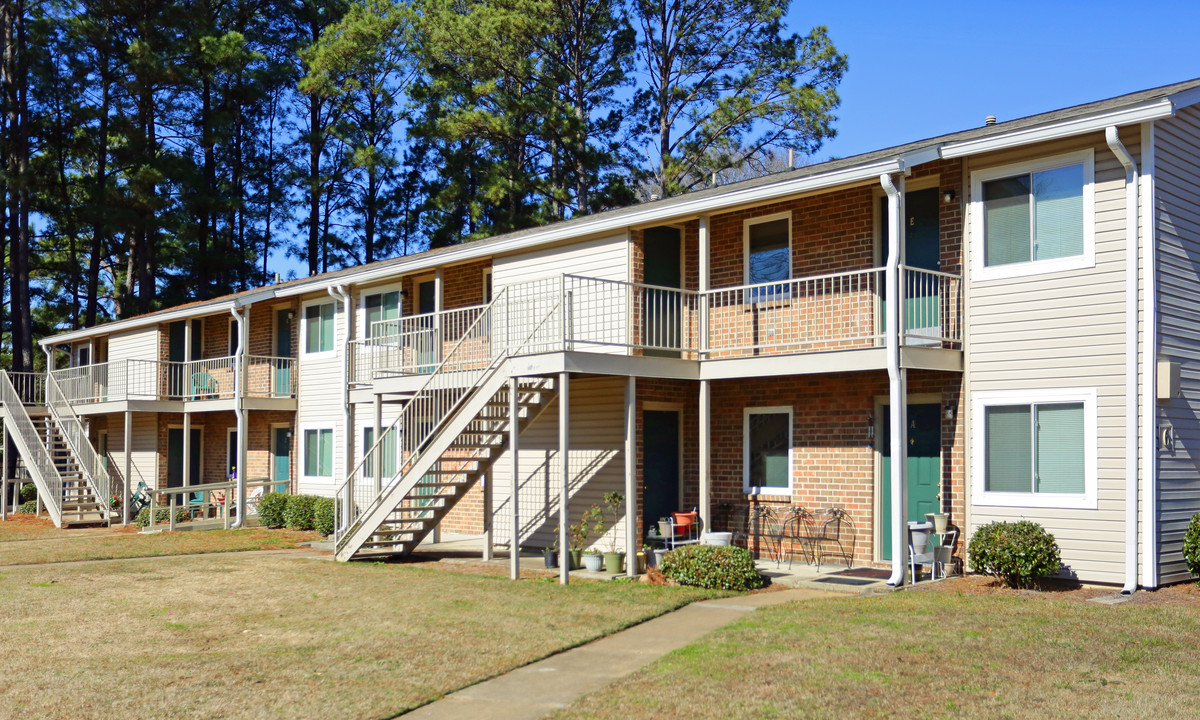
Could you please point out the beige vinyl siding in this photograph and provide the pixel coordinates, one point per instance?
(1057, 331)
(144, 444)
(138, 344)
(597, 311)
(596, 463)
(1177, 231)
(319, 401)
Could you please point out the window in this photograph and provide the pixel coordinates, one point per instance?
(1034, 218)
(767, 451)
(233, 337)
(387, 448)
(768, 249)
(382, 307)
(487, 285)
(318, 328)
(1036, 449)
(318, 452)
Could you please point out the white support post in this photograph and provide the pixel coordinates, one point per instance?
(705, 448)
(187, 448)
(897, 379)
(705, 259)
(127, 492)
(378, 435)
(631, 490)
(3, 471)
(564, 448)
(487, 518)
(514, 434)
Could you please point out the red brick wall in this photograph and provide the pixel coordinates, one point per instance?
(215, 438)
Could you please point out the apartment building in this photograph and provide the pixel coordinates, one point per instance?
(730, 348)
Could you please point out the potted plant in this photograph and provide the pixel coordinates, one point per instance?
(614, 560)
(550, 554)
(592, 522)
(579, 535)
(664, 527)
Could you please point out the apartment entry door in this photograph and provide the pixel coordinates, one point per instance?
(281, 457)
(922, 251)
(924, 440)
(283, 349)
(662, 268)
(660, 465)
(428, 346)
(175, 457)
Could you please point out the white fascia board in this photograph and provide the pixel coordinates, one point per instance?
(1077, 126)
(1185, 98)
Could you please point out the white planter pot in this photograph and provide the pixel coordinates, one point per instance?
(718, 539)
(594, 563)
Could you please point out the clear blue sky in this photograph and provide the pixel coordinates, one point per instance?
(919, 69)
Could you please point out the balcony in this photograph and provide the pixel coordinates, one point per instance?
(825, 313)
(154, 380)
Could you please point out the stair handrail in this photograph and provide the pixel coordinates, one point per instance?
(44, 473)
(75, 435)
(345, 520)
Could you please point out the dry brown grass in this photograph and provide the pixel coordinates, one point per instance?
(280, 636)
(29, 527)
(936, 654)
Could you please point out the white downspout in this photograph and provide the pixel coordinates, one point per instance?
(1149, 359)
(339, 293)
(1131, 356)
(895, 381)
(239, 392)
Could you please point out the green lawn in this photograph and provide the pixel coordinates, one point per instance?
(282, 636)
(25, 539)
(928, 654)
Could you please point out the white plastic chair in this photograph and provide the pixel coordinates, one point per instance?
(918, 538)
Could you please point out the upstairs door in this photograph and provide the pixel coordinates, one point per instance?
(425, 337)
(661, 314)
(283, 350)
(924, 440)
(922, 251)
(179, 380)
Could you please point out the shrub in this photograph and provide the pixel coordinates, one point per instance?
(1191, 546)
(1014, 553)
(162, 516)
(29, 507)
(323, 514)
(714, 568)
(298, 515)
(28, 492)
(270, 509)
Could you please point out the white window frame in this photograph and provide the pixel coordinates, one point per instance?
(1087, 259)
(746, 225)
(304, 330)
(980, 496)
(364, 323)
(302, 452)
(749, 489)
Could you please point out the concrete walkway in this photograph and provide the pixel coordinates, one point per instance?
(541, 688)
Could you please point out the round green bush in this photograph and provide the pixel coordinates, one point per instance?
(1017, 553)
(28, 492)
(270, 509)
(29, 507)
(323, 513)
(298, 515)
(711, 567)
(1191, 546)
(162, 516)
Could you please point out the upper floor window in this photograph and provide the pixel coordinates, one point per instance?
(768, 249)
(1036, 448)
(382, 307)
(1034, 217)
(318, 328)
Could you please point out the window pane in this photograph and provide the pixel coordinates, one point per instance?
(312, 328)
(311, 453)
(369, 461)
(391, 305)
(770, 439)
(1058, 212)
(769, 259)
(1009, 453)
(1060, 448)
(389, 453)
(327, 327)
(326, 467)
(374, 313)
(1006, 221)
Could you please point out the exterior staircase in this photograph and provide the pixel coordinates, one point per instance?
(410, 510)
(79, 504)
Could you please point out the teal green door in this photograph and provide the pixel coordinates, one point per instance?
(924, 469)
(922, 251)
(283, 349)
(429, 348)
(281, 468)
